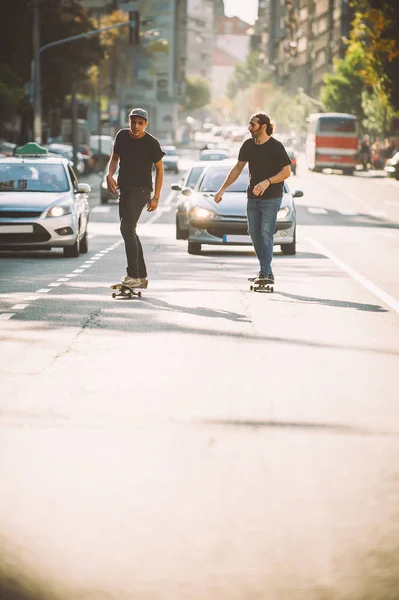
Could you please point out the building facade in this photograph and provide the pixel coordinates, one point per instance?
(299, 40)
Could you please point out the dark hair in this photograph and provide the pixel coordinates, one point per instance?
(264, 120)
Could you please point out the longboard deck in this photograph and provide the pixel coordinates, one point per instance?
(125, 291)
(261, 285)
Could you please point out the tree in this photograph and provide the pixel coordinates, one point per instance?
(59, 65)
(198, 92)
(245, 74)
(343, 89)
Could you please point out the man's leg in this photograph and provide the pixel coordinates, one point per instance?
(131, 204)
(254, 226)
(269, 210)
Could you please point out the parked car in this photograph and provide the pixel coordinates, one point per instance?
(292, 156)
(105, 195)
(7, 148)
(101, 148)
(190, 181)
(209, 155)
(170, 160)
(392, 166)
(226, 223)
(66, 151)
(42, 204)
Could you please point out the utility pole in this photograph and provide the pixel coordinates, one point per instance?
(37, 121)
(74, 136)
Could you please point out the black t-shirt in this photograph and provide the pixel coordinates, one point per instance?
(264, 160)
(136, 159)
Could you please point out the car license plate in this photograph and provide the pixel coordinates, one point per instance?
(16, 228)
(238, 239)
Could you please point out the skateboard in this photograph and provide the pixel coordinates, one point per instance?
(261, 284)
(124, 291)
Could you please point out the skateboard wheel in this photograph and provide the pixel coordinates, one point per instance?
(251, 287)
(139, 294)
(130, 295)
(114, 295)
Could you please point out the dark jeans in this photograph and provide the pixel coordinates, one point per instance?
(262, 216)
(131, 204)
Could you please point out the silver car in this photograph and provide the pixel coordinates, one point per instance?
(190, 180)
(226, 223)
(42, 205)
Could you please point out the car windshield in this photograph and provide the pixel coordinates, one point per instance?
(193, 176)
(213, 156)
(214, 178)
(25, 177)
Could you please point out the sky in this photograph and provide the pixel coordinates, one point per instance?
(247, 10)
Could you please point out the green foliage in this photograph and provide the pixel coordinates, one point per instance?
(58, 65)
(343, 89)
(198, 91)
(246, 74)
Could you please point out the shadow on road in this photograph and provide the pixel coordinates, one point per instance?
(337, 303)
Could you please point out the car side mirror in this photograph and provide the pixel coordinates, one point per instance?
(176, 187)
(187, 191)
(83, 188)
(297, 194)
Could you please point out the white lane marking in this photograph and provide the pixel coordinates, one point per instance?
(43, 291)
(54, 284)
(341, 191)
(77, 271)
(19, 306)
(101, 209)
(4, 316)
(170, 197)
(72, 275)
(348, 213)
(32, 298)
(378, 214)
(63, 279)
(317, 211)
(374, 289)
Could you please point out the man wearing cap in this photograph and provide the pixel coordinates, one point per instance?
(137, 151)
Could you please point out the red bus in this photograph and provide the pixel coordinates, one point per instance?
(332, 142)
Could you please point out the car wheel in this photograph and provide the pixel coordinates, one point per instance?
(72, 251)
(181, 234)
(289, 249)
(84, 243)
(194, 248)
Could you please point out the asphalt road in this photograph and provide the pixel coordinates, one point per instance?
(205, 441)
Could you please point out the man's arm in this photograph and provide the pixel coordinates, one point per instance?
(159, 171)
(112, 166)
(234, 174)
(280, 176)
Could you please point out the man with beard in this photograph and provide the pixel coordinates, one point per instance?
(269, 166)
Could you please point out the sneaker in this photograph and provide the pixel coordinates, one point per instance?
(132, 282)
(270, 278)
(259, 275)
(144, 282)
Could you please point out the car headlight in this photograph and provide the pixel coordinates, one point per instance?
(202, 213)
(58, 211)
(283, 213)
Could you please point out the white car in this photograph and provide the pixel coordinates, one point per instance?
(42, 205)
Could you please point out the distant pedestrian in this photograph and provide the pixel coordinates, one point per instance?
(269, 166)
(137, 151)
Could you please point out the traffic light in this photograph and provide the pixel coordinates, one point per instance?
(134, 27)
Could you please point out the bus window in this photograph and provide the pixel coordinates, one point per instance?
(336, 125)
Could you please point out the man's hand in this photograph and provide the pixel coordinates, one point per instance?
(261, 187)
(112, 185)
(218, 196)
(152, 205)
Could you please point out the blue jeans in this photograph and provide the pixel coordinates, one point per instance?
(131, 203)
(262, 215)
